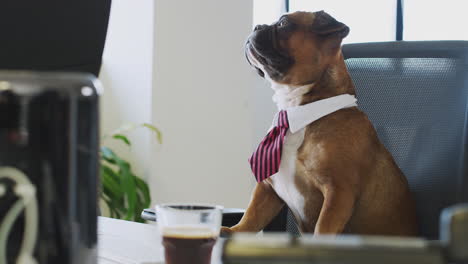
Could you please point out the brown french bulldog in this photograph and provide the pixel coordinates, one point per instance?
(345, 180)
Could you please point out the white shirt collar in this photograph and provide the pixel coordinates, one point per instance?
(300, 116)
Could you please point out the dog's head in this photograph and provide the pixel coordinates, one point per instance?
(297, 48)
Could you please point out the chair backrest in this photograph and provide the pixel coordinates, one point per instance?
(416, 95)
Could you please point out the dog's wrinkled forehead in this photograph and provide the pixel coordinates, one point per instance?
(318, 22)
(303, 18)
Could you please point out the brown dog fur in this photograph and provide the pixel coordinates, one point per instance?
(349, 181)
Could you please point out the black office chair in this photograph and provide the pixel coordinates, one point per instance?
(416, 95)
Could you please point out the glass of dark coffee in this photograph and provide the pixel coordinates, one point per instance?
(189, 232)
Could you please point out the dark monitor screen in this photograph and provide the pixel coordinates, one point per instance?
(53, 35)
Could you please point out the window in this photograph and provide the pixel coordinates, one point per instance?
(267, 11)
(376, 20)
(369, 20)
(435, 20)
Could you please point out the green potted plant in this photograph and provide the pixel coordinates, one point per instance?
(124, 193)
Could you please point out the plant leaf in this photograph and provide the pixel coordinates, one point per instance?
(110, 182)
(122, 129)
(125, 128)
(108, 155)
(116, 206)
(144, 189)
(155, 130)
(125, 194)
(109, 206)
(123, 138)
(128, 186)
(117, 202)
(138, 207)
(111, 172)
(143, 197)
(120, 196)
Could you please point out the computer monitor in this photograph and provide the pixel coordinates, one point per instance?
(53, 35)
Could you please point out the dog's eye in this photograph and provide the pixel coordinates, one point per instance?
(283, 23)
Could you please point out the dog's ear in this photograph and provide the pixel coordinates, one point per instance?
(326, 25)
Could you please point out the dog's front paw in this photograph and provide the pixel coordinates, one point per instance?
(226, 231)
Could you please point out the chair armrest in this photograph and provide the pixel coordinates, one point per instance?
(231, 216)
(454, 232)
(148, 215)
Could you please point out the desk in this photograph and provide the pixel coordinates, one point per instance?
(124, 242)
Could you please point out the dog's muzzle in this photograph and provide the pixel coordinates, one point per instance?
(264, 47)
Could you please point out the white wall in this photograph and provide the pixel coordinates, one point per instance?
(202, 101)
(126, 75)
(180, 65)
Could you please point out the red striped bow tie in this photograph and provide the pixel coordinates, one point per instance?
(265, 161)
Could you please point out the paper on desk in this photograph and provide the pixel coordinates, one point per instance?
(126, 242)
(123, 242)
